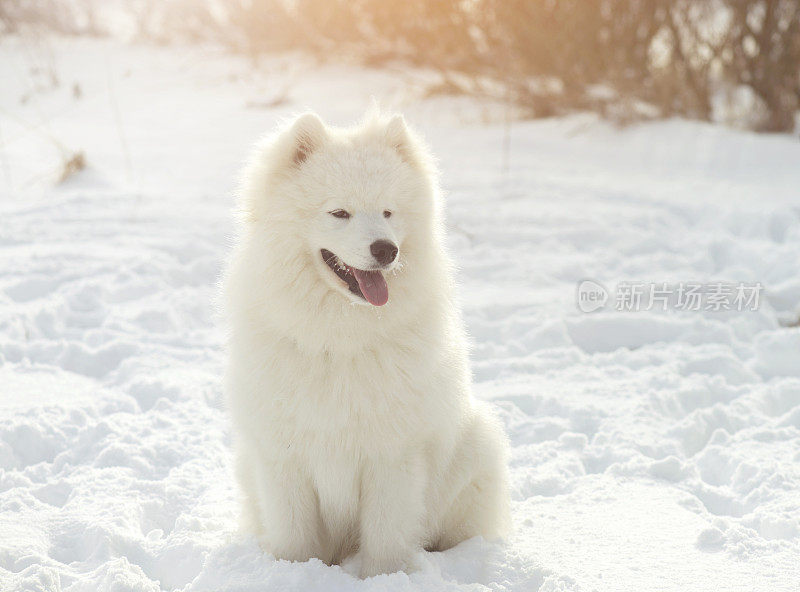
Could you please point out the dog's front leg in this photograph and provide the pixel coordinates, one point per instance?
(391, 515)
(288, 512)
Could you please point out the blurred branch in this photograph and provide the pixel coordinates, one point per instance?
(551, 56)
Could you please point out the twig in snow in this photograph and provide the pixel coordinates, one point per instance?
(112, 97)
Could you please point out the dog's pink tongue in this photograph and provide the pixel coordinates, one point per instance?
(373, 286)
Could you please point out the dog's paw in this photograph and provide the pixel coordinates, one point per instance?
(292, 552)
(370, 569)
(375, 566)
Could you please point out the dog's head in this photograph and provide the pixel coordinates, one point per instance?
(353, 210)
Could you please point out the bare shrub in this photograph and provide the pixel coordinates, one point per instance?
(669, 57)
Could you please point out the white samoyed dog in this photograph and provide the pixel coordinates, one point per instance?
(348, 379)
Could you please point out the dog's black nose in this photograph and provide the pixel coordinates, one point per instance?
(383, 251)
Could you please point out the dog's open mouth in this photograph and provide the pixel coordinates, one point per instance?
(367, 284)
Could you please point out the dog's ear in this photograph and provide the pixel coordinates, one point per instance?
(398, 137)
(307, 135)
(411, 148)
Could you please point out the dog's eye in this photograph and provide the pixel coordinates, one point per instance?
(339, 214)
(386, 213)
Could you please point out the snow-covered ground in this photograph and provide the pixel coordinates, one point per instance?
(651, 450)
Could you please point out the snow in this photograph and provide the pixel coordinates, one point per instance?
(651, 450)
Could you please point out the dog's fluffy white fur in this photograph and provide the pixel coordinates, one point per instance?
(354, 426)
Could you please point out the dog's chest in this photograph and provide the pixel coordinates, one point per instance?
(355, 403)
